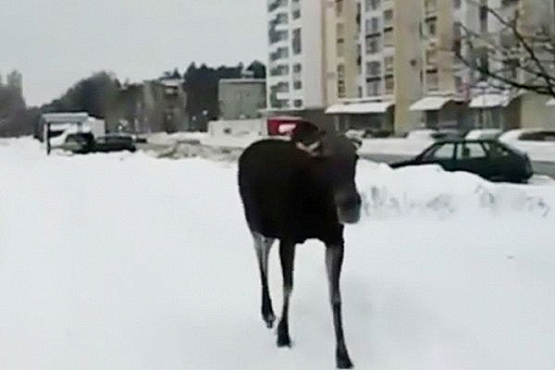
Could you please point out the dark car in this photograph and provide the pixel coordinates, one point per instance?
(489, 159)
(79, 142)
(114, 142)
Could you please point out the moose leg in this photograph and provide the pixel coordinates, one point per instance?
(262, 246)
(287, 257)
(334, 260)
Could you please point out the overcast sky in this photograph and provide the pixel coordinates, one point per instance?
(54, 43)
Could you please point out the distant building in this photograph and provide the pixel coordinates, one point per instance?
(242, 98)
(151, 106)
(296, 49)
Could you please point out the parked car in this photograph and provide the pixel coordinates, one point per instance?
(78, 142)
(528, 134)
(489, 159)
(85, 142)
(114, 142)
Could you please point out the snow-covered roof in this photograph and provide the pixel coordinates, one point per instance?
(360, 108)
(65, 117)
(336, 109)
(430, 103)
(242, 80)
(489, 101)
(171, 83)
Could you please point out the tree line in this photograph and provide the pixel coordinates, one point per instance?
(101, 92)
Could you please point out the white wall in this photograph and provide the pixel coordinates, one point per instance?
(237, 128)
(312, 56)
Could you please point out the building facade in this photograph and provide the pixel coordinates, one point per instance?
(393, 64)
(149, 107)
(242, 98)
(296, 55)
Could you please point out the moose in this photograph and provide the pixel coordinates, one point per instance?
(296, 190)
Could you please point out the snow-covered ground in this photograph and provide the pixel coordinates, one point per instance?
(124, 261)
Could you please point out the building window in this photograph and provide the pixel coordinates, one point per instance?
(372, 25)
(431, 57)
(388, 38)
(338, 7)
(280, 53)
(432, 80)
(372, 5)
(510, 68)
(298, 103)
(296, 14)
(297, 68)
(457, 38)
(389, 63)
(457, 4)
(431, 28)
(373, 87)
(341, 72)
(297, 84)
(373, 69)
(341, 89)
(388, 18)
(297, 47)
(276, 4)
(340, 48)
(372, 45)
(483, 19)
(389, 85)
(341, 81)
(282, 87)
(280, 70)
(459, 84)
(282, 18)
(430, 6)
(277, 36)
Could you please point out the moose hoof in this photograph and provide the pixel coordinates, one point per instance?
(343, 361)
(283, 341)
(269, 320)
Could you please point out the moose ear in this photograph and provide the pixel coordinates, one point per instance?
(306, 133)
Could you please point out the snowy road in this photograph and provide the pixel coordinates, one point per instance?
(128, 262)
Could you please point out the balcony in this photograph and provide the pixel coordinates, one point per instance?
(273, 5)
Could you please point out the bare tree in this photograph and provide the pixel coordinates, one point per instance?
(520, 54)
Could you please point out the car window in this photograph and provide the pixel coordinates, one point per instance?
(496, 150)
(470, 151)
(442, 151)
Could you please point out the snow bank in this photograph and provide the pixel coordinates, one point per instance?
(429, 189)
(171, 139)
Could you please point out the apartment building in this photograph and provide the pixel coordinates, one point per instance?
(296, 55)
(392, 64)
